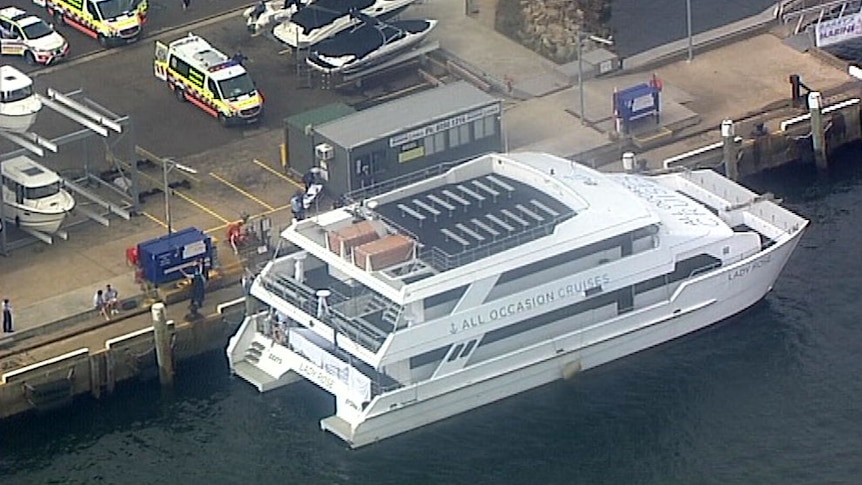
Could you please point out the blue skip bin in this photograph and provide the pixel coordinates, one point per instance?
(162, 260)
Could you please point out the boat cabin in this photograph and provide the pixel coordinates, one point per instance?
(28, 181)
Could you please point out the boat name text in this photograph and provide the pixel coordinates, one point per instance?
(748, 268)
(568, 290)
(316, 375)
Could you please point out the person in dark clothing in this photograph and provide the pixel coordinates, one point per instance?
(308, 179)
(297, 207)
(7, 316)
(239, 57)
(259, 9)
(199, 281)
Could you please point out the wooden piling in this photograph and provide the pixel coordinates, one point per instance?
(818, 133)
(730, 152)
(163, 333)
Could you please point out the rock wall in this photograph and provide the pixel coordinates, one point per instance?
(550, 27)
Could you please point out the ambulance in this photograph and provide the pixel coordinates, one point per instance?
(111, 22)
(197, 72)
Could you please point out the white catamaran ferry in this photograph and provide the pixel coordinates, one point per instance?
(497, 276)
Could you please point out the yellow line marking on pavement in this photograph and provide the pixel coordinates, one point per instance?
(241, 191)
(154, 219)
(277, 173)
(200, 206)
(177, 193)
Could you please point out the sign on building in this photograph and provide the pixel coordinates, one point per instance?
(838, 30)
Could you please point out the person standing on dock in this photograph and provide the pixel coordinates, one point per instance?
(7, 316)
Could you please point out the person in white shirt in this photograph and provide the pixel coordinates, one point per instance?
(112, 300)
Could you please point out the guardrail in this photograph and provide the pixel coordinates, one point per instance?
(798, 119)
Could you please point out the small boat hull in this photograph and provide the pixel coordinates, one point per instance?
(326, 18)
(47, 217)
(349, 53)
(17, 124)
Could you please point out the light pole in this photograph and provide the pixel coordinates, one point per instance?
(688, 22)
(582, 36)
(169, 164)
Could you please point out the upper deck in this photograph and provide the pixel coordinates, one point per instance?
(504, 211)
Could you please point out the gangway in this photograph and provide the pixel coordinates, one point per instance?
(805, 14)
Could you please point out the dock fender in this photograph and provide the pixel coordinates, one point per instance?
(571, 369)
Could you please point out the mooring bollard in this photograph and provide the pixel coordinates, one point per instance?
(818, 134)
(163, 331)
(729, 150)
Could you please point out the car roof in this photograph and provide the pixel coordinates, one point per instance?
(18, 16)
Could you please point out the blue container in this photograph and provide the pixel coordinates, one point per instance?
(164, 259)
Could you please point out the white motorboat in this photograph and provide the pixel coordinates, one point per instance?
(370, 42)
(324, 18)
(19, 104)
(33, 195)
(499, 275)
(263, 14)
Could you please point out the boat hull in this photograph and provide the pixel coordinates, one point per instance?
(695, 304)
(701, 303)
(17, 123)
(47, 220)
(295, 35)
(373, 58)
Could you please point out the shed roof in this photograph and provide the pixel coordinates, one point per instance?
(403, 114)
(319, 116)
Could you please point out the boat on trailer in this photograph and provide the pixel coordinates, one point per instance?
(263, 14)
(369, 42)
(19, 103)
(498, 275)
(34, 196)
(324, 18)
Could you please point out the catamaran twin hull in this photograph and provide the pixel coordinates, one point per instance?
(481, 348)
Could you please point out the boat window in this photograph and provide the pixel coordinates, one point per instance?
(430, 357)
(34, 193)
(555, 316)
(682, 270)
(17, 95)
(456, 352)
(468, 348)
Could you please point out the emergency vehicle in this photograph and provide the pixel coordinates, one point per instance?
(22, 34)
(197, 72)
(111, 22)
